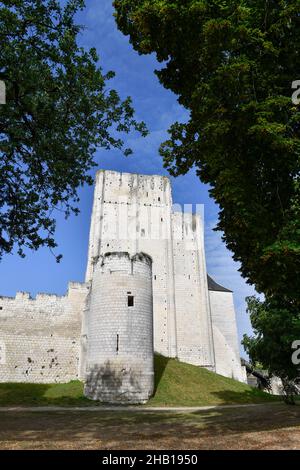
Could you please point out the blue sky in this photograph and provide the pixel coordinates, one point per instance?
(39, 272)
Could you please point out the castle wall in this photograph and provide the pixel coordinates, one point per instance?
(227, 352)
(193, 320)
(119, 319)
(40, 338)
(132, 213)
(55, 339)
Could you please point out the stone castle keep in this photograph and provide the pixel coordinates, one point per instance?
(146, 290)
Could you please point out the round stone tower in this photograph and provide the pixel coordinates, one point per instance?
(119, 360)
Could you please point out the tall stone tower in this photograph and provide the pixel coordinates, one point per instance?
(146, 282)
(133, 213)
(119, 329)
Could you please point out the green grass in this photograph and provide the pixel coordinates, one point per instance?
(181, 384)
(25, 394)
(176, 384)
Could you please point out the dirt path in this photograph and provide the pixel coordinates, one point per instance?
(252, 427)
(135, 409)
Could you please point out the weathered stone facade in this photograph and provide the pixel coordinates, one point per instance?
(50, 338)
(40, 338)
(134, 213)
(119, 320)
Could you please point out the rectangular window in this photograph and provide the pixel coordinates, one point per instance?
(130, 301)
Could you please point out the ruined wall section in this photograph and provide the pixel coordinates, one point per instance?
(40, 338)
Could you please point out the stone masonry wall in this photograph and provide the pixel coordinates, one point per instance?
(120, 336)
(193, 319)
(132, 213)
(40, 338)
(227, 353)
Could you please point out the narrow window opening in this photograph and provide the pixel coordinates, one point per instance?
(130, 301)
(143, 232)
(161, 219)
(1, 308)
(159, 199)
(155, 277)
(117, 343)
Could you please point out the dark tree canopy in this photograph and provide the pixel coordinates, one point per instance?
(276, 328)
(58, 112)
(232, 64)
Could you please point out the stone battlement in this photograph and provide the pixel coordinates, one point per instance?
(27, 295)
(146, 283)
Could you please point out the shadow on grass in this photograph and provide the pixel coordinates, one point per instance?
(161, 363)
(26, 394)
(254, 396)
(69, 394)
(121, 429)
(176, 384)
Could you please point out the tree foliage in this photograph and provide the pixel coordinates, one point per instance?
(275, 329)
(232, 64)
(59, 110)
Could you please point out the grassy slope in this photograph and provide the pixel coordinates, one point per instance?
(176, 383)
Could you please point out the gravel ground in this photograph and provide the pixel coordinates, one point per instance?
(252, 427)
